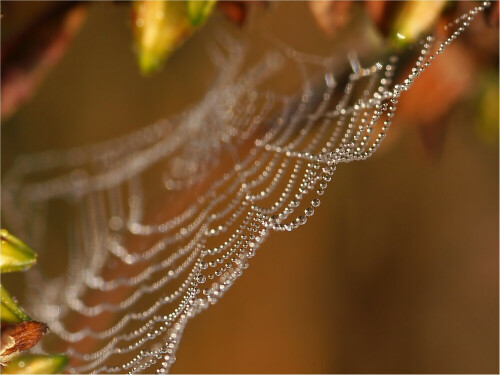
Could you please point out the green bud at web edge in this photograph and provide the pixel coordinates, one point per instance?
(14, 254)
(198, 11)
(36, 364)
(10, 311)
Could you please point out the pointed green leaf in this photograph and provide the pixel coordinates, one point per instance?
(36, 364)
(199, 10)
(159, 27)
(11, 312)
(14, 254)
(414, 19)
(162, 26)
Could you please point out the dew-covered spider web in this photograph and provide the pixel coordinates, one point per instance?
(162, 222)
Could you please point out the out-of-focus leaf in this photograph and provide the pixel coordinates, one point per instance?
(11, 312)
(413, 19)
(331, 15)
(491, 14)
(14, 254)
(382, 13)
(444, 83)
(487, 124)
(199, 10)
(159, 28)
(237, 11)
(19, 337)
(36, 364)
(29, 54)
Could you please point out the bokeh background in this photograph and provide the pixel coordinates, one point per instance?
(398, 270)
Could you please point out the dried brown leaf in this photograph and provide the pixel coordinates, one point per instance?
(491, 14)
(236, 11)
(18, 337)
(442, 86)
(28, 56)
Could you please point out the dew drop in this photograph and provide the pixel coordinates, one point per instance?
(201, 279)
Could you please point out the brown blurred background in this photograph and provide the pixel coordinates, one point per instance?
(396, 273)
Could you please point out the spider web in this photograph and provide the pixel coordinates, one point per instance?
(220, 177)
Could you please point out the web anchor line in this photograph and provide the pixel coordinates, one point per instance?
(239, 174)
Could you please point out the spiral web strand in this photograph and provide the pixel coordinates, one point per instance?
(242, 163)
